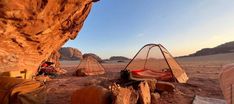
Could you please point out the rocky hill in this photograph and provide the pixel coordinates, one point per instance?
(69, 53)
(223, 48)
(118, 58)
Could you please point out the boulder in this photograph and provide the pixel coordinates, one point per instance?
(144, 92)
(91, 95)
(21, 91)
(124, 95)
(227, 83)
(152, 84)
(155, 98)
(30, 30)
(69, 53)
(165, 86)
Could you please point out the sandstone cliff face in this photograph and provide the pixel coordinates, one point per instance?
(69, 53)
(54, 57)
(30, 30)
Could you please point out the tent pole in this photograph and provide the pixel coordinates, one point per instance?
(167, 62)
(147, 56)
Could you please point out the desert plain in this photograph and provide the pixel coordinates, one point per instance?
(203, 72)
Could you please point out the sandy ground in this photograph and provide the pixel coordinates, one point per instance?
(203, 72)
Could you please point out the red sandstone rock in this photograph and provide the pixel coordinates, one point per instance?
(124, 95)
(155, 98)
(54, 57)
(144, 92)
(30, 30)
(152, 84)
(165, 86)
(91, 95)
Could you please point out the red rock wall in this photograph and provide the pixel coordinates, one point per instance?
(30, 30)
(54, 57)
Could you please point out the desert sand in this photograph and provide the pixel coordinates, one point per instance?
(203, 72)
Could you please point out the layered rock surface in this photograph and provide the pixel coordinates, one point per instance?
(54, 57)
(30, 30)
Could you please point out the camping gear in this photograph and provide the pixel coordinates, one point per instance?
(48, 63)
(227, 82)
(89, 66)
(21, 91)
(153, 61)
(206, 100)
(46, 68)
(24, 74)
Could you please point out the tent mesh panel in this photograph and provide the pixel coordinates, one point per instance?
(154, 60)
(176, 69)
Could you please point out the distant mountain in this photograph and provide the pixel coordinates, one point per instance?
(69, 53)
(223, 48)
(118, 58)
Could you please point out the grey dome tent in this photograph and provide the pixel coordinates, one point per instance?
(153, 61)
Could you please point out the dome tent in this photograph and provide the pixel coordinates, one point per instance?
(89, 66)
(154, 61)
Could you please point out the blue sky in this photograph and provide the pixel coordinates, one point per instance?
(122, 27)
